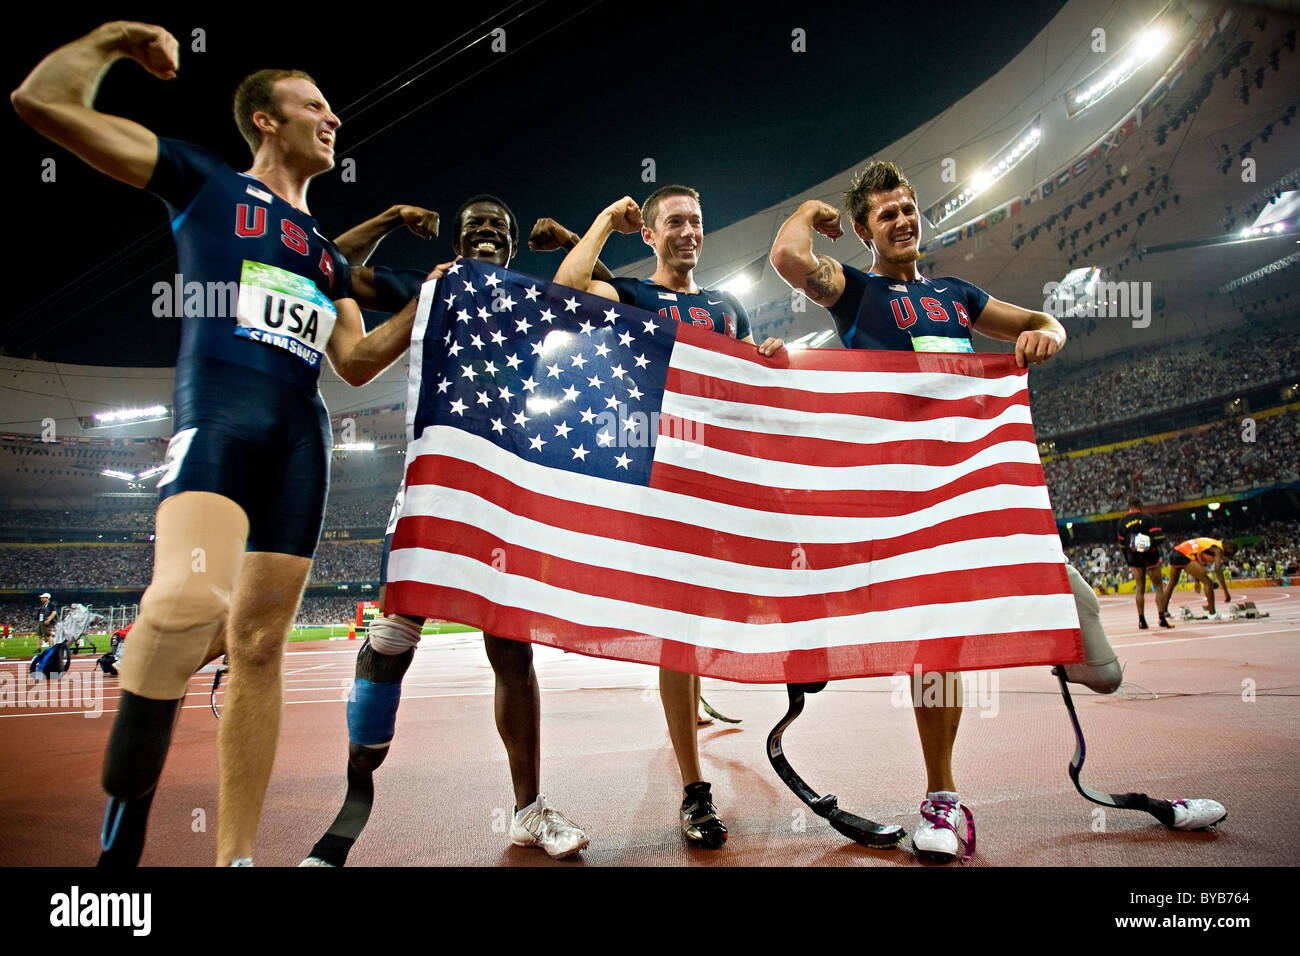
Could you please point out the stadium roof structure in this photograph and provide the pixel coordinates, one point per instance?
(1153, 181)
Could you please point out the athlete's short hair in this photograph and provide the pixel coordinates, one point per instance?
(488, 197)
(256, 93)
(1135, 503)
(650, 208)
(878, 176)
(1229, 548)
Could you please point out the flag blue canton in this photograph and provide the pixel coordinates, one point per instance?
(552, 375)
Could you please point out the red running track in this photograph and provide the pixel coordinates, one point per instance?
(1209, 710)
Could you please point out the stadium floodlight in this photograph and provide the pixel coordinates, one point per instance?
(1263, 232)
(1004, 160)
(737, 284)
(1275, 214)
(1112, 74)
(1151, 42)
(123, 416)
(1213, 506)
(124, 475)
(355, 446)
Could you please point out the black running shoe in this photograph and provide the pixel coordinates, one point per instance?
(1164, 622)
(700, 823)
(1142, 621)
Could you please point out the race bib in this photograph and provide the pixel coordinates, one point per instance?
(284, 309)
(177, 449)
(396, 511)
(940, 343)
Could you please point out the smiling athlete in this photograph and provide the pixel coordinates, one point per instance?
(673, 225)
(243, 493)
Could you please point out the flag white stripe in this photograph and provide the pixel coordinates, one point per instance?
(435, 501)
(783, 474)
(941, 385)
(926, 622)
(416, 357)
(656, 503)
(834, 426)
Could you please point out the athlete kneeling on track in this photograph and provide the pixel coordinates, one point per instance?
(1194, 556)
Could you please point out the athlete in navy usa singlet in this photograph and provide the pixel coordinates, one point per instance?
(672, 225)
(243, 487)
(896, 308)
(719, 311)
(924, 315)
(249, 422)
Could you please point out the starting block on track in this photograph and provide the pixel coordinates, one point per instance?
(1244, 609)
(1236, 611)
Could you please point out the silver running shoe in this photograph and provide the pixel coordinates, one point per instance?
(1198, 814)
(549, 829)
(316, 861)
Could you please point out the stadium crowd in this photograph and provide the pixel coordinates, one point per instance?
(87, 567)
(1106, 390)
(321, 609)
(1185, 466)
(1274, 542)
(354, 511)
(136, 519)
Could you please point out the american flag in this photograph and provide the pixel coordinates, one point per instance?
(603, 479)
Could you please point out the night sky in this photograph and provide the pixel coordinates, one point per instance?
(557, 125)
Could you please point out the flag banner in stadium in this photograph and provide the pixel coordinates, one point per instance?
(617, 483)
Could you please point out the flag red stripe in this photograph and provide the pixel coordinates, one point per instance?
(990, 365)
(891, 405)
(843, 503)
(831, 453)
(976, 652)
(924, 590)
(695, 540)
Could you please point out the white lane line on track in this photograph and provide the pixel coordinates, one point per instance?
(328, 700)
(1206, 637)
(303, 670)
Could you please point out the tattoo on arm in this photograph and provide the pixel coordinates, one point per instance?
(821, 281)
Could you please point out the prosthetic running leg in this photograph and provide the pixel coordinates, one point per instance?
(372, 721)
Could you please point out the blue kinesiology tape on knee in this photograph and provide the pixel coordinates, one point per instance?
(372, 712)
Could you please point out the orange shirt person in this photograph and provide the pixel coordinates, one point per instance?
(1196, 555)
